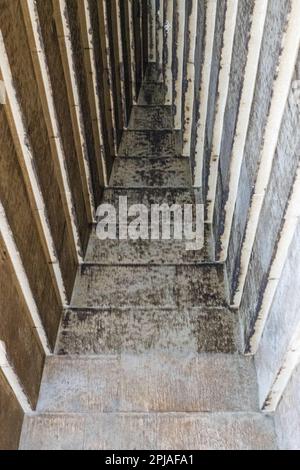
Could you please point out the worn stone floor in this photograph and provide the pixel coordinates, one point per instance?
(148, 353)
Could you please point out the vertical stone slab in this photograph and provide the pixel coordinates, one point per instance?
(276, 18)
(11, 417)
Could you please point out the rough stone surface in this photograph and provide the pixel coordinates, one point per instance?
(150, 382)
(127, 330)
(60, 96)
(145, 173)
(72, 15)
(15, 38)
(149, 286)
(148, 354)
(238, 63)
(138, 252)
(283, 174)
(148, 196)
(153, 74)
(283, 320)
(147, 143)
(11, 417)
(199, 55)
(25, 356)
(16, 203)
(271, 47)
(152, 118)
(213, 86)
(287, 416)
(165, 431)
(152, 94)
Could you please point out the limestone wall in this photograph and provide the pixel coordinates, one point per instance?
(67, 68)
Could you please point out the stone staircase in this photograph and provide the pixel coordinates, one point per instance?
(148, 353)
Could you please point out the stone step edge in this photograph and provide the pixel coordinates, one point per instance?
(199, 263)
(161, 129)
(155, 158)
(168, 107)
(208, 264)
(145, 307)
(176, 414)
(202, 311)
(153, 353)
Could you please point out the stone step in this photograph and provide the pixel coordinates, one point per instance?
(149, 431)
(152, 93)
(153, 74)
(148, 196)
(151, 117)
(151, 173)
(151, 143)
(127, 330)
(149, 286)
(155, 382)
(146, 251)
(142, 252)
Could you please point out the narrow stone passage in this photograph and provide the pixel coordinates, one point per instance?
(148, 354)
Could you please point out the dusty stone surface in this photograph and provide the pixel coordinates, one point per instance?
(282, 322)
(152, 93)
(18, 50)
(147, 143)
(157, 381)
(199, 55)
(148, 196)
(201, 431)
(287, 416)
(106, 331)
(153, 74)
(72, 14)
(151, 117)
(271, 47)
(145, 173)
(238, 63)
(60, 96)
(283, 174)
(16, 203)
(213, 86)
(149, 286)
(146, 251)
(25, 356)
(148, 354)
(136, 252)
(11, 417)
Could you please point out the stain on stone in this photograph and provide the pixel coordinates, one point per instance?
(119, 331)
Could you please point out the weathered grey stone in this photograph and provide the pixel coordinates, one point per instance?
(145, 173)
(287, 416)
(11, 417)
(128, 330)
(153, 74)
(50, 432)
(199, 55)
(158, 381)
(238, 63)
(200, 285)
(149, 286)
(148, 196)
(136, 252)
(213, 86)
(275, 24)
(152, 93)
(151, 117)
(148, 143)
(282, 323)
(283, 174)
(166, 431)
